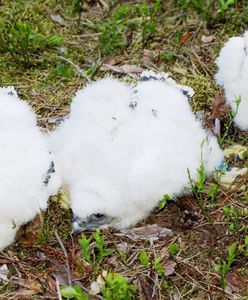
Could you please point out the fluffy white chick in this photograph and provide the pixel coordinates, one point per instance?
(123, 148)
(27, 174)
(232, 75)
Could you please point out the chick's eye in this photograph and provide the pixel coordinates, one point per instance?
(154, 112)
(98, 216)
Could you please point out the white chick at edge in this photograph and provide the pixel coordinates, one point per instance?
(27, 174)
(122, 148)
(232, 75)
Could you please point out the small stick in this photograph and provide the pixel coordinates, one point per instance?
(58, 290)
(66, 256)
(77, 69)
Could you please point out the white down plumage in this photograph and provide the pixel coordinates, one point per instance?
(27, 176)
(232, 75)
(122, 148)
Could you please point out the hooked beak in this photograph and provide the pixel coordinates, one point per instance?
(90, 223)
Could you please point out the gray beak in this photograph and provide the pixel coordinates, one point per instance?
(90, 223)
(78, 225)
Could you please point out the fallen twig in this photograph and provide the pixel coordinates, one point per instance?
(66, 256)
(58, 290)
(77, 69)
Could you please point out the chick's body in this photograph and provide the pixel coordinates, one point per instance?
(232, 75)
(84, 146)
(122, 166)
(24, 165)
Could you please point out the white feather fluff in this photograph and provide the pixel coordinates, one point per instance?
(123, 148)
(24, 164)
(232, 75)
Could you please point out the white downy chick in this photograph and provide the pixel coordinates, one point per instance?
(27, 174)
(85, 156)
(232, 75)
(116, 174)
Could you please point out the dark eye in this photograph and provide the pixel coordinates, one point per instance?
(154, 112)
(98, 216)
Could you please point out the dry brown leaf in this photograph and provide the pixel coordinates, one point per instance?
(111, 61)
(109, 67)
(149, 232)
(219, 107)
(184, 37)
(169, 267)
(124, 69)
(218, 110)
(131, 69)
(58, 19)
(206, 39)
(148, 57)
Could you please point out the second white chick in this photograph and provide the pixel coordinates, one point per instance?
(232, 75)
(123, 148)
(27, 173)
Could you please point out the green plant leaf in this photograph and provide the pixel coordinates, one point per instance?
(163, 202)
(73, 292)
(144, 259)
(173, 249)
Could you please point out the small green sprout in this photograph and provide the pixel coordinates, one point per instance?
(117, 287)
(158, 267)
(149, 20)
(232, 218)
(100, 246)
(144, 259)
(73, 292)
(173, 249)
(213, 192)
(167, 56)
(163, 202)
(64, 70)
(224, 266)
(224, 5)
(84, 243)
